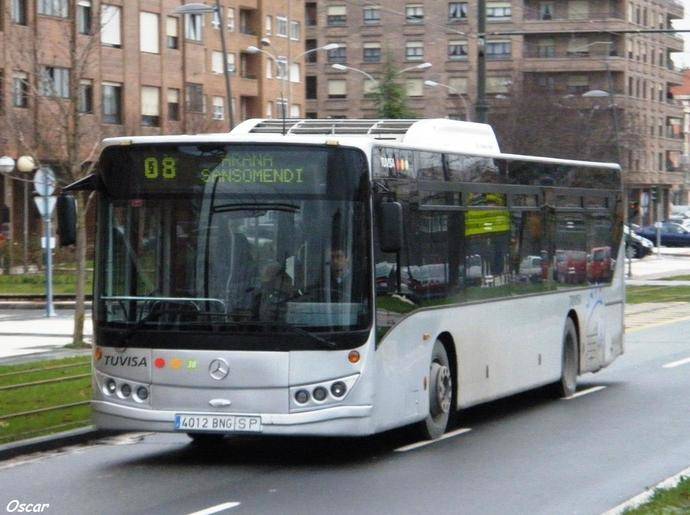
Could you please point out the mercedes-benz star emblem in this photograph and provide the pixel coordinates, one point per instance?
(219, 369)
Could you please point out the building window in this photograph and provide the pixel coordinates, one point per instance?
(546, 48)
(578, 84)
(172, 33)
(281, 105)
(371, 52)
(414, 87)
(311, 87)
(19, 12)
(174, 105)
(311, 115)
(20, 89)
(84, 17)
(310, 14)
(269, 109)
(338, 55)
(498, 85)
(336, 15)
(268, 27)
(281, 68)
(111, 25)
(545, 10)
(578, 9)
(498, 50)
(371, 15)
(58, 8)
(414, 13)
(295, 111)
(195, 98)
(457, 11)
(281, 26)
(311, 57)
(218, 108)
(269, 68)
(148, 33)
(457, 50)
(371, 87)
(231, 19)
(337, 88)
(150, 106)
(217, 62)
(414, 51)
(458, 84)
(112, 103)
(193, 27)
(546, 82)
(578, 47)
(498, 11)
(295, 30)
(295, 72)
(85, 99)
(54, 82)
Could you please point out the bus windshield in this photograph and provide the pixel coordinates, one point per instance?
(236, 238)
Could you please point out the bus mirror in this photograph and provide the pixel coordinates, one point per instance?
(67, 220)
(391, 227)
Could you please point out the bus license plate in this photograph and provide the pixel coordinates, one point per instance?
(220, 423)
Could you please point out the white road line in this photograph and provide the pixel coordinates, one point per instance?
(217, 508)
(584, 392)
(678, 363)
(417, 445)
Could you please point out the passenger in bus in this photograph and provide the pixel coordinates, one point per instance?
(341, 275)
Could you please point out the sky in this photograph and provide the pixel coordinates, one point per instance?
(683, 59)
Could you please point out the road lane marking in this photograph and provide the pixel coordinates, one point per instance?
(658, 324)
(417, 445)
(584, 392)
(217, 508)
(678, 363)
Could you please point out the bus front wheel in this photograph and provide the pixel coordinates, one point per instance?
(567, 384)
(441, 390)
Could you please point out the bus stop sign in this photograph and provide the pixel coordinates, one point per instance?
(44, 181)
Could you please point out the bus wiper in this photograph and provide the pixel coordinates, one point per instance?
(291, 328)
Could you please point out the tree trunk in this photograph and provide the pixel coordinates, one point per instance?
(79, 305)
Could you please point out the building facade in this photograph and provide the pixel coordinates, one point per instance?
(566, 47)
(137, 68)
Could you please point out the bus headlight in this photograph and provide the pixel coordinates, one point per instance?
(320, 393)
(142, 393)
(338, 389)
(302, 396)
(110, 386)
(125, 390)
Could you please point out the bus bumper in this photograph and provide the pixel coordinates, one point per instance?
(334, 421)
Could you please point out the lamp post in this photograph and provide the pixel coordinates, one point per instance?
(198, 8)
(453, 91)
(25, 164)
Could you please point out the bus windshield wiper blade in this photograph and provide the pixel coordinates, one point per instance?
(291, 328)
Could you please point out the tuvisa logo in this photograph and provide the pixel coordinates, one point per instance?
(125, 361)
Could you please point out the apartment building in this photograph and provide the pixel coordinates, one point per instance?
(569, 50)
(138, 68)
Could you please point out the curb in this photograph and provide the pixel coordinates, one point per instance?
(639, 499)
(50, 442)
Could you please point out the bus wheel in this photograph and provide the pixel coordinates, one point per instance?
(567, 384)
(440, 395)
(206, 439)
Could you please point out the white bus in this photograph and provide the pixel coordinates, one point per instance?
(345, 277)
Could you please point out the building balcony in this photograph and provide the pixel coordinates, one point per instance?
(560, 12)
(675, 9)
(571, 63)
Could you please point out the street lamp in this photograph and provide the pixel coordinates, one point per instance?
(453, 91)
(25, 164)
(198, 8)
(420, 66)
(343, 68)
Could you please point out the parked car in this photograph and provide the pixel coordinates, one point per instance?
(637, 246)
(672, 234)
(600, 265)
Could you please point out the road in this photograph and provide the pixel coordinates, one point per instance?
(523, 455)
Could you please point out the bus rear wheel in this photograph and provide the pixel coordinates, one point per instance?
(570, 361)
(441, 395)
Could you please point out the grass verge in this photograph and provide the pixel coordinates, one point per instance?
(663, 502)
(639, 294)
(74, 386)
(677, 278)
(35, 284)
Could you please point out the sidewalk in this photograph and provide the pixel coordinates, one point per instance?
(27, 331)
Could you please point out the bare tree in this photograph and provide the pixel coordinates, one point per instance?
(573, 127)
(59, 127)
